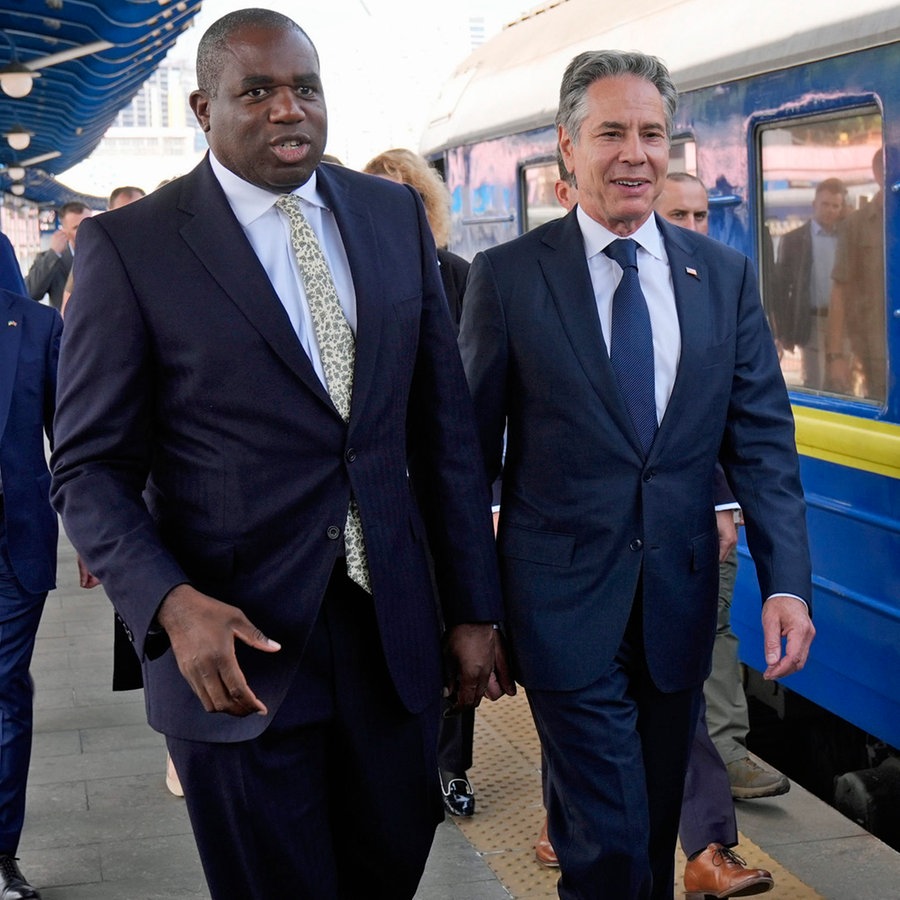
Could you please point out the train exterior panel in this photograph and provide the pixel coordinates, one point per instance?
(761, 140)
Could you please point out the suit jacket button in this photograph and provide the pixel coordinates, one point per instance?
(350, 455)
(636, 544)
(333, 532)
(648, 476)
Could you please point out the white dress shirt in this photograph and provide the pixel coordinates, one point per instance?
(656, 283)
(269, 233)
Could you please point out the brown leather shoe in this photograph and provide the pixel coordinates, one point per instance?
(543, 849)
(719, 872)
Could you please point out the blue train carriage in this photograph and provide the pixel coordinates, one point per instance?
(776, 98)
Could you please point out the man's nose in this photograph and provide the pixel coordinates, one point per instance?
(287, 106)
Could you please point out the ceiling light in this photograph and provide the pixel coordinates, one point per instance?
(18, 138)
(16, 173)
(18, 189)
(16, 80)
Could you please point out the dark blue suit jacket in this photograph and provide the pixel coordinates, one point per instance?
(29, 350)
(180, 372)
(582, 514)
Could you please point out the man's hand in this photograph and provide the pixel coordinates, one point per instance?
(85, 578)
(58, 242)
(786, 618)
(476, 666)
(728, 534)
(202, 631)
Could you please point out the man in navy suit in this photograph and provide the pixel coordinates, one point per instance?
(204, 472)
(29, 349)
(607, 537)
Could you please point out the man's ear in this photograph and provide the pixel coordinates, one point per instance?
(199, 101)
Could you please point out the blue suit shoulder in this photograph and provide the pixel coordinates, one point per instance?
(25, 308)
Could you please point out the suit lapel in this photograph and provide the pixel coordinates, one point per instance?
(216, 237)
(565, 269)
(11, 330)
(691, 285)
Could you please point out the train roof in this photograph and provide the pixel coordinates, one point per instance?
(511, 83)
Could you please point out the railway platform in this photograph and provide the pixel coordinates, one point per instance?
(100, 824)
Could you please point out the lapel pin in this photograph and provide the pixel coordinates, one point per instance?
(12, 323)
(691, 271)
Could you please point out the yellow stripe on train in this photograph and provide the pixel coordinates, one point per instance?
(848, 441)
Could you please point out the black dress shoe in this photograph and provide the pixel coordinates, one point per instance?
(13, 885)
(459, 798)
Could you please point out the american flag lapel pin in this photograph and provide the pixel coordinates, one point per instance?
(12, 323)
(691, 271)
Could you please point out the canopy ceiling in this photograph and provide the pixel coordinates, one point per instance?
(92, 57)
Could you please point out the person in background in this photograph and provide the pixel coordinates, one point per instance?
(856, 308)
(803, 280)
(265, 450)
(617, 394)
(50, 269)
(29, 349)
(456, 733)
(120, 196)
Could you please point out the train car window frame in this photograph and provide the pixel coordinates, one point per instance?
(820, 356)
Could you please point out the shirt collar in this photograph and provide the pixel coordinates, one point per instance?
(249, 202)
(597, 238)
(817, 230)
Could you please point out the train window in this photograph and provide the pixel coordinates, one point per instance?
(538, 186)
(823, 252)
(683, 155)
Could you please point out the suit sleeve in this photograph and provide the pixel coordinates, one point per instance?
(41, 273)
(484, 350)
(759, 455)
(102, 431)
(50, 376)
(445, 463)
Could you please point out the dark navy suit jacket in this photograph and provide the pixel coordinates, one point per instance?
(583, 515)
(180, 372)
(29, 350)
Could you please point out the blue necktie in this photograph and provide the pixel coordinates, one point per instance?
(631, 343)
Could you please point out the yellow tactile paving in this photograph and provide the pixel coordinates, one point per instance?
(507, 782)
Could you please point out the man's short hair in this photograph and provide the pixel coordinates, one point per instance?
(212, 47)
(591, 66)
(127, 189)
(73, 206)
(831, 186)
(685, 177)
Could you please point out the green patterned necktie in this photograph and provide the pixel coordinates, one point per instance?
(337, 349)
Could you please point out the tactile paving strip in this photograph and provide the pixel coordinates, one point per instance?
(506, 778)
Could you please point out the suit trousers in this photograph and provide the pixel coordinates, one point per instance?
(338, 798)
(20, 615)
(616, 753)
(707, 813)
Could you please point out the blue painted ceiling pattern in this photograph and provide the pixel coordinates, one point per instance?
(108, 48)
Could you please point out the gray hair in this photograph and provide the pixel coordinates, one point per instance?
(212, 48)
(588, 67)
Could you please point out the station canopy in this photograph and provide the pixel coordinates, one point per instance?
(66, 68)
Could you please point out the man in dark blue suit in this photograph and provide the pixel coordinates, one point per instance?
(29, 349)
(607, 537)
(208, 474)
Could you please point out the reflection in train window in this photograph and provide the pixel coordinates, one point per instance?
(824, 220)
(539, 204)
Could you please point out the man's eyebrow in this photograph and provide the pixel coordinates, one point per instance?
(252, 81)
